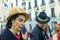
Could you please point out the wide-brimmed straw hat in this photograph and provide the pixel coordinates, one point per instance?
(18, 10)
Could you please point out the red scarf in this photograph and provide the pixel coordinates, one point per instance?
(19, 36)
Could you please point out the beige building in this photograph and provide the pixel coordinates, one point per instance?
(51, 7)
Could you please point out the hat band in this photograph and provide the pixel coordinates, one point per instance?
(43, 20)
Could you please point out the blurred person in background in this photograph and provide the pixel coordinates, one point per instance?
(58, 26)
(55, 32)
(39, 32)
(48, 31)
(15, 21)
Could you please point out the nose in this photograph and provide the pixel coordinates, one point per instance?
(23, 24)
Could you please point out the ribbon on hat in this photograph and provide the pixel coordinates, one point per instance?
(42, 19)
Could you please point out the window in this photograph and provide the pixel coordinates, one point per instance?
(29, 5)
(16, 2)
(36, 3)
(59, 14)
(36, 14)
(23, 0)
(43, 2)
(24, 3)
(51, 1)
(52, 12)
(11, 4)
(6, 0)
(30, 17)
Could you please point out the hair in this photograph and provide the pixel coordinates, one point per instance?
(13, 17)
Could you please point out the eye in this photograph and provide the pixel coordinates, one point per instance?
(20, 20)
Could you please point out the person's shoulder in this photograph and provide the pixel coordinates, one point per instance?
(35, 29)
(3, 35)
(4, 32)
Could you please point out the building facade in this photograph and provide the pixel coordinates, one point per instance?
(33, 7)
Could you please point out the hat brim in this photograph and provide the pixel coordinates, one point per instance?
(42, 22)
(26, 15)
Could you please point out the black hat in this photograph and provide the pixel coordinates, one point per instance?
(42, 18)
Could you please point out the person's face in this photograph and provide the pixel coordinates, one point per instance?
(18, 23)
(42, 25)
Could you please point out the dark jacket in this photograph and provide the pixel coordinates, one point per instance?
(39, 34)
(7, 35)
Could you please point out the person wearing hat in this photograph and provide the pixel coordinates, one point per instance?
(15, 21)
(39, 32)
